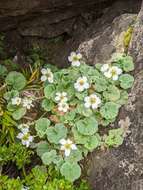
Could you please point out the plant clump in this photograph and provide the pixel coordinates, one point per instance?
(62, 112)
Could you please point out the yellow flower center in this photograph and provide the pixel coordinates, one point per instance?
(93, 100)
(49, 75)
(114, 72)
(81, 82)
(75, 58)
(67, 146)
(62, 97)
(26, 137)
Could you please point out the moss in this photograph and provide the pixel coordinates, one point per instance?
(127, 37)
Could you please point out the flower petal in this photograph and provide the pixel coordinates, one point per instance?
(67, 152)
(62, 141)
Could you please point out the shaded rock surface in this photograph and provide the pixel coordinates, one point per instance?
(92, 30)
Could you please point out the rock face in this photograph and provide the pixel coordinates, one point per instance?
(121, 168)
(54, 25)
(39, 17)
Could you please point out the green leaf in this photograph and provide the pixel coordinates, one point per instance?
(112, 93)
(41, 126)
(71, 171)
(81, 96)
(16, 80)
(69, 116)
(75, 156)
(98, 66)
(123, 61)
(11, 94)
(109, 110)
(128, 64)
(3, 71)
(47, 105)
(11, 107)
(115, 137)
(49, 157)
(123, 98)
(56, 133)
(79, 138)
(49, 91)
(92, 142)
(42, 147)
(100, 83)
(126, 81)
(87, 112)
(19, 113)
(87, 126)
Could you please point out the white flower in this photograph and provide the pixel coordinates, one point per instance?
(27, 102)
(92, 101)
(75, 58)
(63, 107)
(67, 146)
(105, 68)
(47, 75)
(24, 128)
(61, 97)
(25, 137)
(81, 84)
(113, 73)
(16, 101)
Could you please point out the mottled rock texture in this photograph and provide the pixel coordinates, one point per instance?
(122, 168)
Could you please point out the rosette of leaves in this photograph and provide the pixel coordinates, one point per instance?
(79, 124)
(115, 137)
(82, 124)
(16, 80)
(124, 61)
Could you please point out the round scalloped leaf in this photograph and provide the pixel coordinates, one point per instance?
(41, 126)
(112, 93)
(71, 171)
(49, 91)
(56, 133)
(42, 147)
(123, 98)
(115, 137)
(109, 110)
(100, 83)
(19, 113)
(87, 126)
(83, 111)
(11, 107)
(16, 80)
(123, 61)
(79, 138)
(92, 142)
(47, 105)
(68, 117)
(126, 81)
(128, 64)
(75, 156)
(49, 157)
(10, 94)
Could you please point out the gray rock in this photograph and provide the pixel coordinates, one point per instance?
(106, 35)
(13, 13)
(122, 168)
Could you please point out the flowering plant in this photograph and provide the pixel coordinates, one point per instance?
(74, 105)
